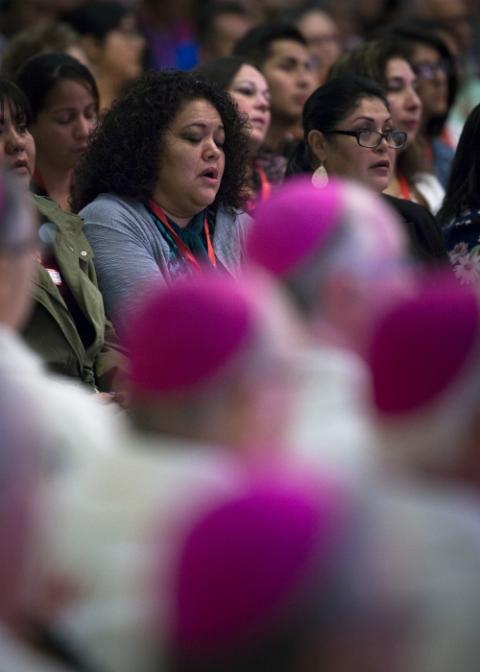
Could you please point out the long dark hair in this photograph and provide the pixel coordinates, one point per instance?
(464, 179)
(325, 108)
(40, 74)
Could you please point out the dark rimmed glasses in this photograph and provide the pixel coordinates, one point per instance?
(372, 139)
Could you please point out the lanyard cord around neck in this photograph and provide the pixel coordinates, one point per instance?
(265, 190)
(404, 187)
(265, 186)
(183, 250)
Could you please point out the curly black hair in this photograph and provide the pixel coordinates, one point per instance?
(125, 150)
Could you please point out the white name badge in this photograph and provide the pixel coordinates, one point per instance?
(55, 276)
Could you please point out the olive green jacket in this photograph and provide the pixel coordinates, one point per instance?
(51, 330)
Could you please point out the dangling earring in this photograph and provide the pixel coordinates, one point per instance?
(320, 177)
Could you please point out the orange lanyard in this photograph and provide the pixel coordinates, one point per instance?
(265, 190)
(404, 187)
(265, 186)
(182, 248)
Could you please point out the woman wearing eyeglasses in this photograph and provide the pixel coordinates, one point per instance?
(386, 61)
(349, 132)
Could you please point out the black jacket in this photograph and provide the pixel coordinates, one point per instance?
(425, 235)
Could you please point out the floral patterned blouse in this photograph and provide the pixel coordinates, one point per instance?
(462, 240)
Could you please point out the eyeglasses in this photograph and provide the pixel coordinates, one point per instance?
(430, 70)
(372, 139)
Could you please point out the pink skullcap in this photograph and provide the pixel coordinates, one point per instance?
(184, 334)
(292, 224)
(246, 560)
(422, 345)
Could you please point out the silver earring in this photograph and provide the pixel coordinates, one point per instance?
(320, 177)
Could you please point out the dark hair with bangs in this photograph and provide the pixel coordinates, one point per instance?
(14, 98)
(125, 150)
(40, 74)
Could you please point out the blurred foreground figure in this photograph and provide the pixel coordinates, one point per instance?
(27, 595)
(279, 577)
(209, 361)
(292, 577)
(71, 426)
(429, 544)
(19, 486)
(341, 254)
(73, 421)
(424, 361)
(208, 371)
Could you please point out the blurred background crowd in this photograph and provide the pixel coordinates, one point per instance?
(239, 336)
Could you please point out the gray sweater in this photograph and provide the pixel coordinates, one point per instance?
(130, 250)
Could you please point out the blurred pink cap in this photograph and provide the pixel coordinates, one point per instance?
(292, 224)
(245, 561)
(420, 347)
(185, 333)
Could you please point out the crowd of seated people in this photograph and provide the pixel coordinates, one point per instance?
(239, 336)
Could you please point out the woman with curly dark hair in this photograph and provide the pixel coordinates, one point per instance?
(161, 185)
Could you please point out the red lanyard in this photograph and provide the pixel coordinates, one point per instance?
(182, 248)
(265, 186)
(265, 190)
(404, 187)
